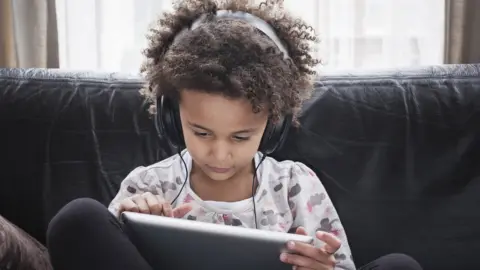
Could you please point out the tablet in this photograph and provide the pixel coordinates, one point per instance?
(180, 244)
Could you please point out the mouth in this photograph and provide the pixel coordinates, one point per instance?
(218, 170)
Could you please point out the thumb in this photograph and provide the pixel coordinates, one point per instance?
(301, 230)
(182, 210)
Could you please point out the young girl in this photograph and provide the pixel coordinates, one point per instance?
(225, 81)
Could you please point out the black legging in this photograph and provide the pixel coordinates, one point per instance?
(85, 235)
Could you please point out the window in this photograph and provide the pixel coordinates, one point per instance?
(109, 35)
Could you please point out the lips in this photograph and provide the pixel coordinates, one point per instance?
(218, 170)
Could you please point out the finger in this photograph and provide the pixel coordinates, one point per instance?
(301, 231)
(128, 205)
(167, 209)
(332, 243)
(153, 204)
(182, 210)
(307, 250)
(301, 261)
(142, 204)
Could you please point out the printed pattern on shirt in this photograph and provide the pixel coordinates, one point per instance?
(289, 196)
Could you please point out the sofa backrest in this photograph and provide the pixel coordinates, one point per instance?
(67, 135)
(398, 152)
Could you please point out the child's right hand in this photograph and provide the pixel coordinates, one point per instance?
(148, 203)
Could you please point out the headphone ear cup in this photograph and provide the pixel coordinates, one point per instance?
(264, 142)
(168, 122)
(275, 135)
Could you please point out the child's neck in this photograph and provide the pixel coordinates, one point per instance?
(237, 188)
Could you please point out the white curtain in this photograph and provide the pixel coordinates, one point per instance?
(109, 35)
(28, 34)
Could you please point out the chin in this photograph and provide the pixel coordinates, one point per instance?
(220, 176)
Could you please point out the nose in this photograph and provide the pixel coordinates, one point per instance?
(221, 150)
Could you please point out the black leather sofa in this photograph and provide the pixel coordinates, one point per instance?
(398, 151)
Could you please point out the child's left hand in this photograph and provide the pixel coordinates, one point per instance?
(310, 257)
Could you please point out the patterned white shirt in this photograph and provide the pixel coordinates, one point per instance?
(289, 195)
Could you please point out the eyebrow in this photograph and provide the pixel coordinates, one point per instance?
(248, 130)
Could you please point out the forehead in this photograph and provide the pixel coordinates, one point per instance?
(217, 111)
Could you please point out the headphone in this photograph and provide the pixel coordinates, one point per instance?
(169, 126)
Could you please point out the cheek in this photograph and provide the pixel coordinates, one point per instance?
(244, 152)
(194, 144)
(254, 143)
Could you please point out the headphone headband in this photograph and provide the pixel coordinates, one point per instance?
(249, 18)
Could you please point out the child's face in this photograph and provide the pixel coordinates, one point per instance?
(222, 135)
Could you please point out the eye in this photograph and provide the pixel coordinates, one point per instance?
(240, 138)
(200, 134)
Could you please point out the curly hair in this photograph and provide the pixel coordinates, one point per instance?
(231, 57)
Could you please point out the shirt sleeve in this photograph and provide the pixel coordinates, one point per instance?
(139, 181)
(312, 209)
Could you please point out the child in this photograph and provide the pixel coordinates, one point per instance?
(225, 81)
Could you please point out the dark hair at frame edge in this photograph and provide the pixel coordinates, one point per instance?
(291, 80)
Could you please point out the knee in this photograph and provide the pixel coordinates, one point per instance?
(76, 216)
(401, 261)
